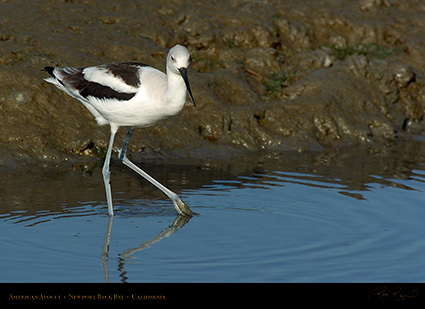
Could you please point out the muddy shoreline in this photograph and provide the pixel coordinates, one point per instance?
(267, 77)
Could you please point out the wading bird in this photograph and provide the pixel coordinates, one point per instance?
(129, 95)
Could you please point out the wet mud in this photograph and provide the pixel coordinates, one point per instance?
(38, 190)
(268, 77)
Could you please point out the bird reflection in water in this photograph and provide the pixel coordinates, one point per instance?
(177, 224)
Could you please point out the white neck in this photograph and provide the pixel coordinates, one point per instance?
(176, 92)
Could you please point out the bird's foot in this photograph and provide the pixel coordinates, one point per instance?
(182, 208)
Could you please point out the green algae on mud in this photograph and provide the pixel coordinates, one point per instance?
(354, 75)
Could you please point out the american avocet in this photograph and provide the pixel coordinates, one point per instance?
(132, 95)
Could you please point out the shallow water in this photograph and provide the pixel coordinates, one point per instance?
(324, 217)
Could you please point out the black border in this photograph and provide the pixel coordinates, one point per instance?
(153, 294)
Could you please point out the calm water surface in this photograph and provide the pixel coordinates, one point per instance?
(353, 216)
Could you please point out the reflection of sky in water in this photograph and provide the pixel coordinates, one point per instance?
(310, 223)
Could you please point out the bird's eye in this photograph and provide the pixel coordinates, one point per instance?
(172, 58)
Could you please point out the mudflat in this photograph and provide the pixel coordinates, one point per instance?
(268, 77)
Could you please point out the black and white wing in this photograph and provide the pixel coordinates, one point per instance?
(117, 81)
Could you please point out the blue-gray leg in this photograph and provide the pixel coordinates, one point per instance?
(106, 171)
(179, 205)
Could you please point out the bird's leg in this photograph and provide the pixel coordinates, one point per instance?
(123, 149)
(106, 171)
(179, 205)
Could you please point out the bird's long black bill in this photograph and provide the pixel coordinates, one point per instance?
(183, 73)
